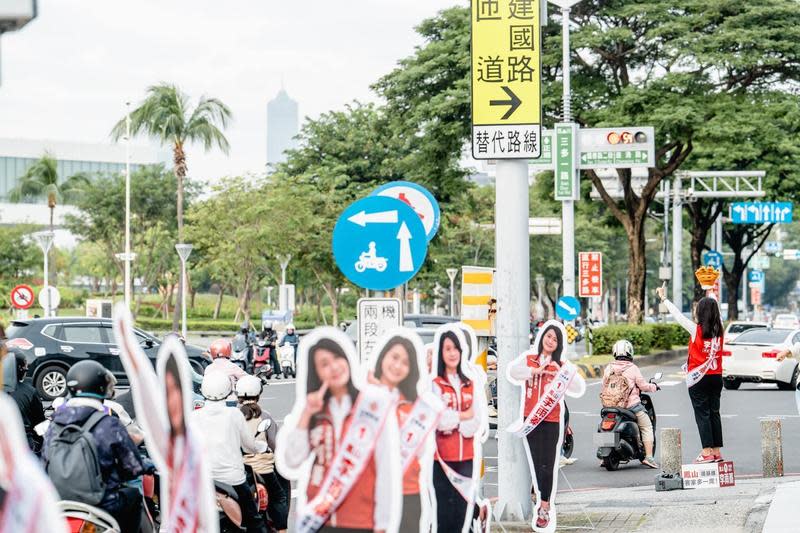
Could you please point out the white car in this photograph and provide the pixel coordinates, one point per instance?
(752, 358)
(786, 321)
(736, 328)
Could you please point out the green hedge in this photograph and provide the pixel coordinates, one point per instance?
(645, 337)
(159, 324)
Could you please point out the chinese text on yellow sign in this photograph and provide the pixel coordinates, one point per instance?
(506, 81)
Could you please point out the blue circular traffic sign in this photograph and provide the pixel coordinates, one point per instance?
(418, 198)
(379, 243)
(568, 308)
(712, 258)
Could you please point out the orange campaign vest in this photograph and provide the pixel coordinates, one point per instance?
(357, 511)
(451, 445)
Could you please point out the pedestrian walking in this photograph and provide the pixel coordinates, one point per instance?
(704, 371)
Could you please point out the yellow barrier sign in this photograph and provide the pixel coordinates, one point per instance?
(506, 79)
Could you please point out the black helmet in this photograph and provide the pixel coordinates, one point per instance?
(89, 379)
(245, 327)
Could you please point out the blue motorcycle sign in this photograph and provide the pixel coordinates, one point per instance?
(379, 243)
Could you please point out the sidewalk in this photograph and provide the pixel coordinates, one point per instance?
(743, 508)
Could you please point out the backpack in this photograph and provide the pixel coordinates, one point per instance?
(616, 389)
(73, 464)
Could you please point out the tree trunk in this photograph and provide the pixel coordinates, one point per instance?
(218, 305)
(703, 214)
(179, 159)
(739, 237)
(637, 270)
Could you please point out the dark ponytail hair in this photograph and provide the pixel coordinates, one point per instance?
(250, 410)
(442, 372)
(709, 318)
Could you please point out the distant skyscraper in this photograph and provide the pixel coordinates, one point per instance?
(281, 127)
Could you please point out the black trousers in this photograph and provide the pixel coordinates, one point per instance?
(278, 489)
(451, 508)
(543, 447)
(705, 395)
(412, 510)
(125, 505)
(251, 520)
(273, 359)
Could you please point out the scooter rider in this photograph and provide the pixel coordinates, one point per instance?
(117, 455)
(263, 426)
(623, 364)
(224, 434)
(268, 334)
(27, 399)
(292, 339)
(220, 351)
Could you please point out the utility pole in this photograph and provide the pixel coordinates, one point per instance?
(183, 250)
(128, 258)
(452, 273)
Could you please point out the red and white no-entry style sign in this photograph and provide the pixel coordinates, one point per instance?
(22, 297)
(590, 269)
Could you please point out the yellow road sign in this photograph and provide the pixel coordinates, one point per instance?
(506, 79)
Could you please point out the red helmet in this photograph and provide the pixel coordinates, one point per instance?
(220, 348)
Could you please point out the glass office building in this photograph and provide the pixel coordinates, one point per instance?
(16, 156)
(282, 126)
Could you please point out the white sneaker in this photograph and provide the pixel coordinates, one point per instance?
(565, 461)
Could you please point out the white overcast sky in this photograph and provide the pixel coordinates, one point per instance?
(67, 74)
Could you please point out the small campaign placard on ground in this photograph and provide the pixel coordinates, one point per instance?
(708, 475)
(376, 317)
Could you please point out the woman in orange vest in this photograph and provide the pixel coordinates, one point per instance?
(455, 433)
(322, 424)
(537, 370)
(397, 368)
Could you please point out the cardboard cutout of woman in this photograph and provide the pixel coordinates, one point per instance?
(459, 433)
(162, 401)
(328, 442)
(398, 364)
(545, 379)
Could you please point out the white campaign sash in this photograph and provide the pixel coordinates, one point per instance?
(696, 374)
(466, 486)
(354, 453)
(547, 402)
(184, 507)
(419, 423)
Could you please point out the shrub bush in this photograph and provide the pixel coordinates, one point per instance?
(645, 337)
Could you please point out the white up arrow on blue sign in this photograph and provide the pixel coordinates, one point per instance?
(568, 308)
(712, 258)
(379, 243)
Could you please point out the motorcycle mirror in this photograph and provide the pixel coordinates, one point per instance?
(658, 376)
(264, 425)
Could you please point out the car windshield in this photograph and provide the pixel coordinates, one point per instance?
(738, 328)
(763, 336)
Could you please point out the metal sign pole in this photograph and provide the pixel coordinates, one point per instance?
(513, 296)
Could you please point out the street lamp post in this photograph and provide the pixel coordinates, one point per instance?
(452, 273)
(45, 241)
(183, 252)
(128, 258)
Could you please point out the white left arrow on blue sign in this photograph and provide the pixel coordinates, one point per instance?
(362, 218)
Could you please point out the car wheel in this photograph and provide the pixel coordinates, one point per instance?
(731, 384)
(791, 385)
(51, 382)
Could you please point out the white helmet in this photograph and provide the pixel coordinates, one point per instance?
(216, 386)
(249, 387)
(623, 349)
(290, 327)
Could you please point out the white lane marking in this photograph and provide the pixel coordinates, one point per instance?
(659, 415)
(593, 383)
(765, 417)
(669, 383)
(728, 416)
(273, 383)
(578, 412)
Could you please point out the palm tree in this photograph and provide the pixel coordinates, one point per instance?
(165, 115)
(41, 179)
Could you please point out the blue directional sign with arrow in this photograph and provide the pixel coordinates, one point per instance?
(755, 276)
(712, 258)
(568, 308)
(418, 198)
(379, 243)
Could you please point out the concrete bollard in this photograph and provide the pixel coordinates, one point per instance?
(771, 448)
(671, 454)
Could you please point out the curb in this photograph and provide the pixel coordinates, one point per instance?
(596, 371)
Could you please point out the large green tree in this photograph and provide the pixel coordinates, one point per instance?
(167, 116)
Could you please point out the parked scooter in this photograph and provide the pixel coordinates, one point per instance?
(617, 438)
(286, 360)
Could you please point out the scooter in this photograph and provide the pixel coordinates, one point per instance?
(261, 351)
(286, 360)
(617, 438)
(83, 517)
(240, 351)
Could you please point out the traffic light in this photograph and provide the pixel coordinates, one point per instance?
(626, 137)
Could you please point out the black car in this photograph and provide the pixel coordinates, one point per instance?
(53, 345)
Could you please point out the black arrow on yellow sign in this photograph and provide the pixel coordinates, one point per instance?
(514, 102)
